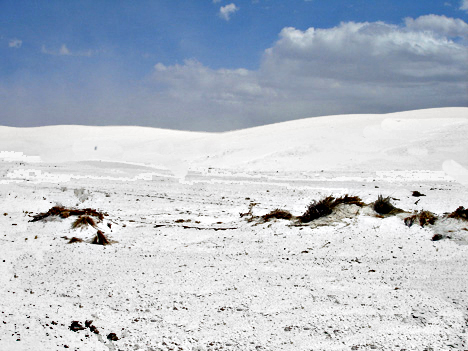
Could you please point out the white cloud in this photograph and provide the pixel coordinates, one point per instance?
(442, 25)
(464, 5)
(351, 68)
(15, 43)
(64, 51)
(225, 12)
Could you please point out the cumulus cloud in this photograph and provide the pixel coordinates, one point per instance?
(351, 68)
(64, 51)
(225, 12)
(442, 25)
(15, 43)
(369, 67)
(464, 5)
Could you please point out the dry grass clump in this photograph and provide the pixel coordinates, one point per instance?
(349, 200)
(249, 215)
(83, 221)
(325, 206)
(277, 214)
(75, 240)
(63, 212)
(100, 239)
(383, 206)
(424, 218)
(317, 209)
(460, 213)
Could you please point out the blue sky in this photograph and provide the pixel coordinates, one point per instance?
(221, 65)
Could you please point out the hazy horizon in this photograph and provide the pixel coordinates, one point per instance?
(220, 65)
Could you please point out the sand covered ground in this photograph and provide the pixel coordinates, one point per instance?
(185, 271)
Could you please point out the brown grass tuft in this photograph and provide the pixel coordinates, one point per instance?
(100, 239)
(459, 213)
(75, 240)
(325, 206)
(349, 200)
(424, 218)
(83, 221)
(383, 206)
(278, 214)
(317, 209)
(63, 212)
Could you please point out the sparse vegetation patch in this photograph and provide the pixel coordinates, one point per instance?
(63, 212)
(277, 214)
(424, 218)
(100, 239)
(460, 213)
(75, 240)
(83, 221)
(383, 206)
(325, 207)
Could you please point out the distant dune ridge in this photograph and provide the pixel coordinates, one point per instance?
(432, 139)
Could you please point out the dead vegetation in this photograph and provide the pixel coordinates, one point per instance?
(63, 212)
(75, 240)
(460, 213)
(325, 206)
(83, 221)
(423, 217)
(249, 215)
(383, 206)
(100, 239)
(277, 214)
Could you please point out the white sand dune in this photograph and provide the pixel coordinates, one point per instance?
(421, 139)
(186, 272)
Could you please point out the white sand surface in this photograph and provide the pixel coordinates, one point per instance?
(185, 271)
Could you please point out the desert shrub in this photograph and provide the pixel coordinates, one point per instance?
(325, 206)
(349, 200)
(63, 212)
(383, 206)
(278, 214)
(83, 221)
(459, 213)
(424, 218)
(100, 239)
(75, 240)
(317, 209)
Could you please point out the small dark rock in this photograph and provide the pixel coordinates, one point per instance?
(417, 194)
(75, 326)
(437, 237)
(88, 323)
(112, 337)
(94, 329)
